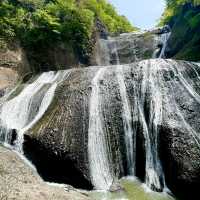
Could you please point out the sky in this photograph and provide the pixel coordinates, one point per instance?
(141, 13)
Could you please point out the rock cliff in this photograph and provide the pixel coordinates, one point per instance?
(162, 98)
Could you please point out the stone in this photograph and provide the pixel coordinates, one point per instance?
(18, 181)
(178, 131)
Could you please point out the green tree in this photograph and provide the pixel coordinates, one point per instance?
(41, 23)
(174, 7)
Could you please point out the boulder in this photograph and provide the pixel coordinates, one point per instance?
(164, 99)
(108, 122)
(18, 181)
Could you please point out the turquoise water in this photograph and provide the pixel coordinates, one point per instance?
(132, 190)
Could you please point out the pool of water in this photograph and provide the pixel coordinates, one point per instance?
(132, 190)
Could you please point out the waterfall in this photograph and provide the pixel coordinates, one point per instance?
(99, 162)
(108, 52)
(128, 47)
(154, 174)
(163, 35)
(132, 47)
(130, 136)
(164, 38)
(145, 93)
(98, 148)
(103, 57)
(23, 111)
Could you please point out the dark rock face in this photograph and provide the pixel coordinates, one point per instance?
(67, 119)
(101, 30)
(168, 108)
(179, 134)
(180, 158)
(54, 167)
(162, 30)
(57, 57)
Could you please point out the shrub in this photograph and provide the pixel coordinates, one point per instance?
(174, 7)
(41, 23)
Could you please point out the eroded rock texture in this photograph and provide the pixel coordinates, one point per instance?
(104, 123)
(18, 181)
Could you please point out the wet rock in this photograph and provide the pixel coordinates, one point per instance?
(101, 29)
(116, 187)
(126, 48)
(163, 96)
(162, 30)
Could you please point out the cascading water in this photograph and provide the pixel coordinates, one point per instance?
(23, 111)
(130, 135)
(142, 94)
(128, 46)
(161, 40)
(103, 57)
(164, 38)
(100, 169)
(154, 175)
(151, 79)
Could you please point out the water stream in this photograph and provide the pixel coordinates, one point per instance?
(150, 84)
(100, 169)
(164, 38)
(141, 90)
(133, 189)
(21, 112)
(130, 135)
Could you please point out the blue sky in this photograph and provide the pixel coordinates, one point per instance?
(141, 13)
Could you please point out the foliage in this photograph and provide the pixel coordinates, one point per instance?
(107, 14)
(38, 23)
(31, 4)
(184, 18)
(174, 7)
(195, 21)
(6, 25)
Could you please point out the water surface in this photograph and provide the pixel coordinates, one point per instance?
(132, 190)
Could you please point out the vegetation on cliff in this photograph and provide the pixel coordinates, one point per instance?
(183, 16)
(175, 7)
(41, 23)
